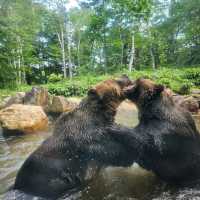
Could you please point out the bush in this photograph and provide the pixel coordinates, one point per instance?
(193, 74)
(179, 80)
(7, 77)
(53, 78)
(68, 90)
(171, 78)
(76, 87)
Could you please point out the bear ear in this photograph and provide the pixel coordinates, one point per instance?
(93, 93)
(158, 89)
(123, 80)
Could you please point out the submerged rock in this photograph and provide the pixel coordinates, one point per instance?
(60, 104)
(23, 118)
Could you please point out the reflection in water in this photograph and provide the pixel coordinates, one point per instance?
(131, 183)
(13, 151)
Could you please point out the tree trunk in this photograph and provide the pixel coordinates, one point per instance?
(122, 54)
(22, 63)
(104, 41)
(105, 53)
(19, 70)
(153, 58)
(19, 59)
(151, 46)
(69, 60)
(92, 56)
(78, 51)
(63, 53)
(132, 54)
(62, 46)
(122, 50)
(69, 52)
(24, 70)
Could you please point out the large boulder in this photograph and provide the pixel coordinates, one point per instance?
(195, 91)
(197, 120)
(18, 98)
(37, 96)
(191, 103)
(23, 118)
(197, 98)
(127, 114)
(60, 104)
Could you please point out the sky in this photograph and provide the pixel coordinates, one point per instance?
(72, 3)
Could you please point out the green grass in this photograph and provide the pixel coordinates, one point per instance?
(180, 80)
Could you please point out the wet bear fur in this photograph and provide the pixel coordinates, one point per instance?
(79, 147)
(166, 140)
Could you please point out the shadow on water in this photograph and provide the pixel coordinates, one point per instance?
(131, 183)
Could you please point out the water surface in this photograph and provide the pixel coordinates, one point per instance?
(131, 183)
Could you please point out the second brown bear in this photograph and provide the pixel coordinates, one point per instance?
(166, 140)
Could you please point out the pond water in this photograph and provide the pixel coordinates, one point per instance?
(131, 183)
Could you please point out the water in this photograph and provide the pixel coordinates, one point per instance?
(131, 183)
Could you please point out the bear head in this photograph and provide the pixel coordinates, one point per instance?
(143, 91)
(110, 92)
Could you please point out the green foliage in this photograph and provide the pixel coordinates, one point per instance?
(53, 78)
(180, 80)
(171, 78)
(193, 74)
(174, 79)
(39, 38)
(7, 77)
(68, 90)
(76, 87)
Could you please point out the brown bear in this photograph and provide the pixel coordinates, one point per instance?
(79, 146)
(166, 140)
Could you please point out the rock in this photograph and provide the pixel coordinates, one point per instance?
(178, 99)
(23, 118)
(197, 97)
(18, 98)
(60, 104)
(196, 91)
(75, 100)
(191, 104)
(37, 96)
(127, 114)
(197, 120)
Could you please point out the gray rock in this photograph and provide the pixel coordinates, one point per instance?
(197, 120)
(191, 104)
(60, 104)
(37, 96)
(18, 98)
(196, 91)
(197, 98)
